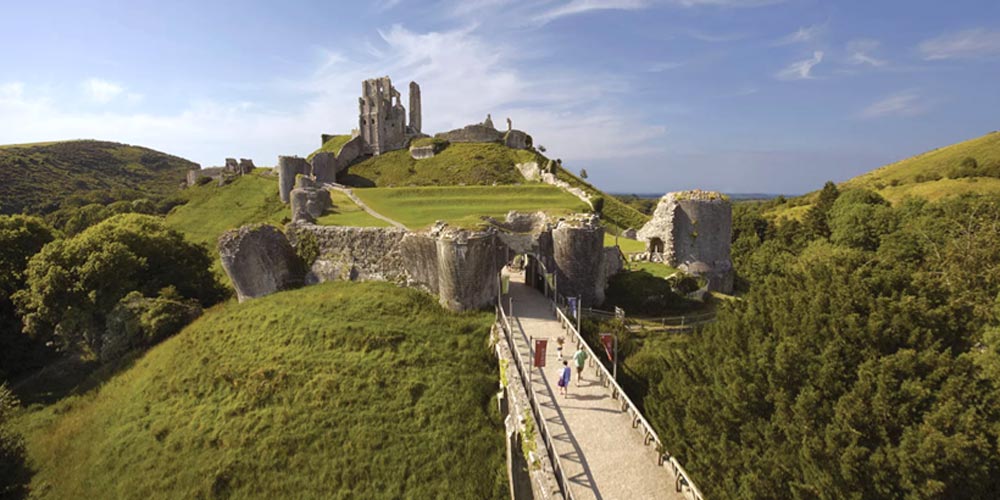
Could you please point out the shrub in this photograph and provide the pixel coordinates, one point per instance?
(138, 322)
(14, 472)
(72, 285)
(598, 202)
(639, 292)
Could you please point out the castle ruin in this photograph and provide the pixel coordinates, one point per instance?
(382, 117)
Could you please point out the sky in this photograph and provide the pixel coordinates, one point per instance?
(649, 96)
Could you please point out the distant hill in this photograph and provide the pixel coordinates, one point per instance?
(339, 390)
(37, 178)
(938, 173)
(969, 167)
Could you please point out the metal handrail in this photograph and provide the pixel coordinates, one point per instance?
(683, 480)
(543, 427)
(630, 407)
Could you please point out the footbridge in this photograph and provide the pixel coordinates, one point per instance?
(598, 443)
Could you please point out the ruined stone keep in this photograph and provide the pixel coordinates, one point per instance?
(382, 117)
(692, 231)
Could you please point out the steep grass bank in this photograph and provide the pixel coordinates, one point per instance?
(339, 390)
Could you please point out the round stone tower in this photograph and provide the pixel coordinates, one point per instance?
(578, 251)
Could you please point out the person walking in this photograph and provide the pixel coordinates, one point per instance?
(579, 358)
(564, 379)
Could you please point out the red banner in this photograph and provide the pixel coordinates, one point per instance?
(609, 341)
(540, 345)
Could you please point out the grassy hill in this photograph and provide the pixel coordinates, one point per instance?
(932, 175)
(458, 164)
(339, 390)
(332, 145)
(37, 178)
(464, 206)
(212, 210)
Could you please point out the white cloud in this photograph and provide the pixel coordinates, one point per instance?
(802, 35)
(859, 53)
(11, 91)
(101, 91)
(462, 75)
(575, 7)
(968, 44)
(907, 103)
(801, 70)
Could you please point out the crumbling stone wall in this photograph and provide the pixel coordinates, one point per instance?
(260, 261)
(461, 267)
(308, 200)
(476, 132)
(696, 230)
(517, 139)
(289, 167)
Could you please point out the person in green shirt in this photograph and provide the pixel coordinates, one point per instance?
(579, 357)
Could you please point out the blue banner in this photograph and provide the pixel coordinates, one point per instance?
(574, 306)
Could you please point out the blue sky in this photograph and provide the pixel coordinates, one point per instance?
(648, 96)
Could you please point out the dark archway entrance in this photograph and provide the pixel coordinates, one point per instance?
(655, 245)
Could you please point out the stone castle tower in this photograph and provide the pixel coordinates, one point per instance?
(382, 117)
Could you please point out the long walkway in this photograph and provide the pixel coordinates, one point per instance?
(603, 456)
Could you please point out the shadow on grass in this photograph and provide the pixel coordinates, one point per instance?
(70, 376)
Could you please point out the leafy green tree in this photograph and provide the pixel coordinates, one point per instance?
(20, 237)
(583, 173)
(859, 219)
(73, 284)
(816, 217)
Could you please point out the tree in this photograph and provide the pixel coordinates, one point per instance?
(541, 148)
(816, 217)
(73, 284)
(859, 219)
(583, 173)
(598, 203)
(20, 238)
(845, 373)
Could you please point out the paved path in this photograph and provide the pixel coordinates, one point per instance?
(603, 456)
(357, 201)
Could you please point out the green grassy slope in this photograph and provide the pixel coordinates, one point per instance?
(923, 176)
(464, 206)
(919, 173)
(458, 164)
(37, 177)
(615, 211)
(346, 213)
(339, 390)
(332, 145)
(212, 210)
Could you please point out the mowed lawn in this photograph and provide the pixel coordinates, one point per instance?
(346, 213)
(338, 390)
(464, 206)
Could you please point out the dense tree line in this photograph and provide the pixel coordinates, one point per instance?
(863, 361)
